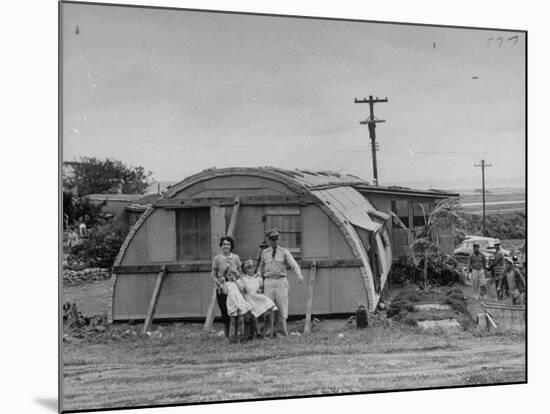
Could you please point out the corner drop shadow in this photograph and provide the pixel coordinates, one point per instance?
(50, 403)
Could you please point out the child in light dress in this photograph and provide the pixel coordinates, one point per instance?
(238, 308)
(261, 305)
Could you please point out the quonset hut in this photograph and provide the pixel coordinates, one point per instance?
(322, 217)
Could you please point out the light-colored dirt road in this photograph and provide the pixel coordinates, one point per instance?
(182, 367)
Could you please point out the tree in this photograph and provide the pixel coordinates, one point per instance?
(90, 175)
(425, 244)
(76, 208)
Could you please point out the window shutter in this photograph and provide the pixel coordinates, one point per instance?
(193, 234)
(289, 221)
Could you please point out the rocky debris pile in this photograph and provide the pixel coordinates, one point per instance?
(431, 306)
(78, 328)
(455, 298)
(430, 310)
(75, 319)
(439, 325)
(79, 325)
(73, 277)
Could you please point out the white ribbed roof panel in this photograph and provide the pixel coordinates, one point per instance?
(350, 204)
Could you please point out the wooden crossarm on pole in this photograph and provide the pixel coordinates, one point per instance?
(309, 303)
(230, 231)
(154, 299)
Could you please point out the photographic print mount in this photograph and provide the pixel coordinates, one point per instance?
(156, 173)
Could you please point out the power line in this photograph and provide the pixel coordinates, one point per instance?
(334, 161)
(258, 147)
(351, 163)
(345, 158)
(334, 164)
(347, 162)
(327, 163)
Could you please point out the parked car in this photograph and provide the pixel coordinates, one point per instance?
(486, 247)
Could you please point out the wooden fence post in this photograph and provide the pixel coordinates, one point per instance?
(309, 303)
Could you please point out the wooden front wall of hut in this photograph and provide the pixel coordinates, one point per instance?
(182, 230)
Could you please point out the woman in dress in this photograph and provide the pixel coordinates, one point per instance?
(221, 263)
(261, 305)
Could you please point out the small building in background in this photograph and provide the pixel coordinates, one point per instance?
(112, 205)
(412, 208)
(125, 208)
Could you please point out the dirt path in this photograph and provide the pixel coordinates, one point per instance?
(182, 367)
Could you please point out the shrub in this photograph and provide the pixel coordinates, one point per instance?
(443, 270)
(501, 225)
(456, 299)
(101, 246)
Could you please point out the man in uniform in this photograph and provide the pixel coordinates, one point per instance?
(515, 282)
(476, 266)
(274, 262)
(497, 268)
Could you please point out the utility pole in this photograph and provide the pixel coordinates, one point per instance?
(371, 121)
(483, 165)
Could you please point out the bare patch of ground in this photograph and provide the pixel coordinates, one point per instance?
(92, 298)
(120, 368)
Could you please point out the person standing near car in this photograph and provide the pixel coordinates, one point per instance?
(273, 268)
(497, 268)
(515, 282)
(476, 266)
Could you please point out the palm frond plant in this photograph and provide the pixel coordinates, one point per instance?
(424, 246)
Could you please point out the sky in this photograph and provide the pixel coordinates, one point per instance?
(180, 91)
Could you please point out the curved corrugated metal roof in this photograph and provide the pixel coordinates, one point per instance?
(308, 180)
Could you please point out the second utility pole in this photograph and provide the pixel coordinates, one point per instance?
(371, 121)
(483, 165)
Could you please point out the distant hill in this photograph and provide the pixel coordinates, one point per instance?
(461, 183)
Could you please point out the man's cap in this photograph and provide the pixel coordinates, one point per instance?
(273, 234)
(497, 243)
(476, 244)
